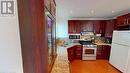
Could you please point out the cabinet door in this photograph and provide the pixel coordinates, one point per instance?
(71, 54)
(77, 26)
(87, 25)
(99, 52)
(110, 25)
(102, 28)
(128, 18)
(78, 51)
(97, 26)
(120, 20)
(106, 52)
(71, 27)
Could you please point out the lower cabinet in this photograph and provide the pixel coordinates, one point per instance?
(74, 52)
(78, 52)
(103, 52)
(71, 54)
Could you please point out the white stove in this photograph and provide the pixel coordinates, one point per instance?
(89, 52)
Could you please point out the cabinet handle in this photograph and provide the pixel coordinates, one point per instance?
(127, 20)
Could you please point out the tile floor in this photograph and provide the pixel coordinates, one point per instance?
(61, 64)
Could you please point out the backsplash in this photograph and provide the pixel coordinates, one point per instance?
(99, 39)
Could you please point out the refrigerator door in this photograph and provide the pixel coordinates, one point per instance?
(121, 37)
(119, 56)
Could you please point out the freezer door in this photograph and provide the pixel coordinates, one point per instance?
(121, 37)
(119, 56)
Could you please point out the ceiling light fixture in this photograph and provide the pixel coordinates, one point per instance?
(113, 11)
(92, 11)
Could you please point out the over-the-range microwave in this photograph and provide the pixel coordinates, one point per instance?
(74, 36)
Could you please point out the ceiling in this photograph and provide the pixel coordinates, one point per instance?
(91, 8)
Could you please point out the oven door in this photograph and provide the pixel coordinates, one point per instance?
(89, 51)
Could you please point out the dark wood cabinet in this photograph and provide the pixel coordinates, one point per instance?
(71, 53)
(99, 52)
(103, 27)
(97, 27)
(73, 26)
(74, 52)
(109, 28)
(33, 34)
(77, 26)
(106, 51)
(123, 20)
(78, 52)
(103, 52)
(86, 25)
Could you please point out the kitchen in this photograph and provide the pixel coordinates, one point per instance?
(89, 37)
(65, 36)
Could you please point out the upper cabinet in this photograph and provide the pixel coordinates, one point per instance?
(109, 27)
(103, 27)
(99, 27)
(77, 26)
(123, 20)
(73, 26)
(86, 25)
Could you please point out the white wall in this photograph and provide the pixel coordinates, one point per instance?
(10, 48)
(62, 28)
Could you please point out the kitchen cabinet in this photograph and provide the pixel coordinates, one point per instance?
(103, 27)
(99, 52)
(71, 53)
(97, 27)
(103, 52)
(74, 52)
(109, 28)
(73, 26)
(78, 52)
(86, 25)
(123, 20)
(77, 26)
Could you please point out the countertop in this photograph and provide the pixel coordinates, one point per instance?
(73, 44)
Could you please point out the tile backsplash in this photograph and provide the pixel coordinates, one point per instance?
(99, 39)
